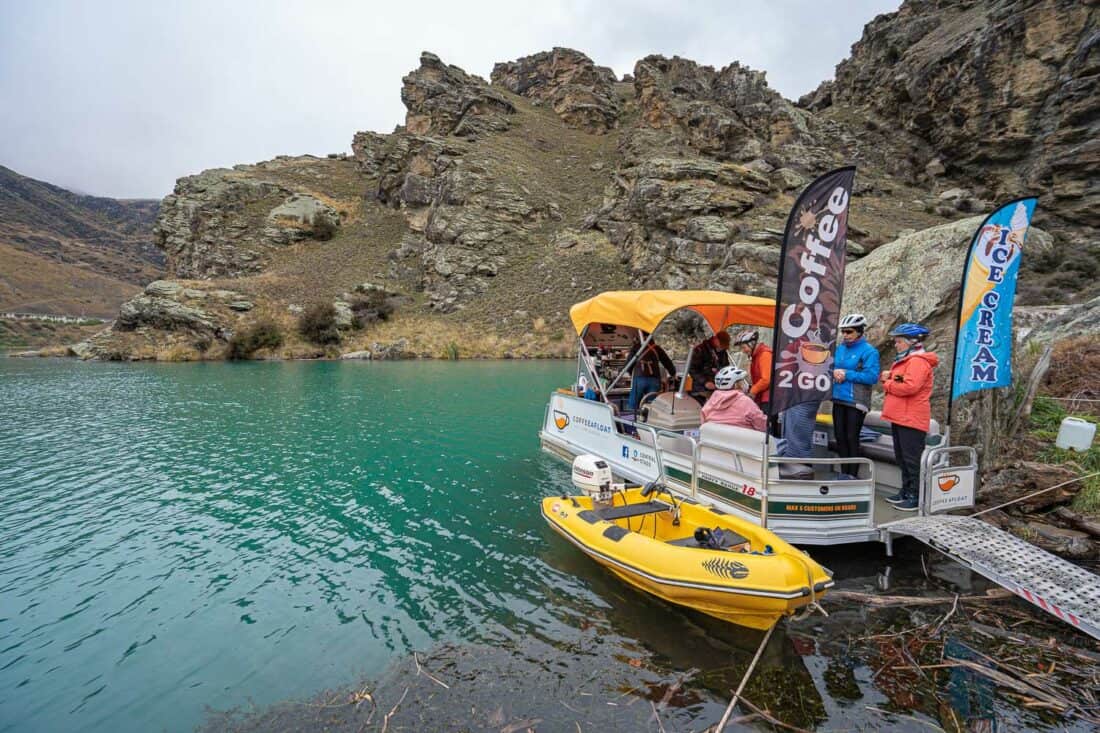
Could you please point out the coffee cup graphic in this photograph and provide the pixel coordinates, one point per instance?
(814, 353)
(948, 482)
(560, 419)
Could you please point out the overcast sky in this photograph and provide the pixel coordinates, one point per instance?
(121, 98)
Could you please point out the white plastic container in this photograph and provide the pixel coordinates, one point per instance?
(1075, 434)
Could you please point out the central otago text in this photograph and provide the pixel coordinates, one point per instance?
(983, 367)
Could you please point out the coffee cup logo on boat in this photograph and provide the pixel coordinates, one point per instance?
(947, 482)
(561, 420)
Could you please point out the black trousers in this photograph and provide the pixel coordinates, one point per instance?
(908, 447)
(847, 422)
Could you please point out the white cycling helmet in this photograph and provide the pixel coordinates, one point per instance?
(728, 377)
(746, 337)
(854, 320)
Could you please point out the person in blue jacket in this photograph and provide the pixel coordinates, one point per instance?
(855, 372)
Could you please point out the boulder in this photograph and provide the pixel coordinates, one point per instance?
(299, 217)
(163, 288)
(1082, 319)
(356, 355)
(915, 278)
(344, 317)
(399, 349)
(165, 314)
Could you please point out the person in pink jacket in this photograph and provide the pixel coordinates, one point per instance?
(729, 405)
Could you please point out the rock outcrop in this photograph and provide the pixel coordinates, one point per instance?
(445, 100)
(463, 220)
(509, 201)
(731, 114)
(1004, 91)
(567, 81)
(226, 223)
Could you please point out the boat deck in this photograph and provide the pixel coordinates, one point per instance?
(885, 512)
(1060, 588)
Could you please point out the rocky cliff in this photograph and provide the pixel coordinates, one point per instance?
(1003, 92)
(71, 254)
(499, 203)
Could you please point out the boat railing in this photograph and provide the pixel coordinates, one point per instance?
(936, 457)
(828, 461)
(767, 461)
(676, 435)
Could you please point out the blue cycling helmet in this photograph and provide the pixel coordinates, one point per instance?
(910, 331)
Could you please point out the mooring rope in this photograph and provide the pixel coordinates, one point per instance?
(1036, 493)
(745, 679)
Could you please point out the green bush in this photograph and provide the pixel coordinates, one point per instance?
(324, 228)
(261, 335)
(371, 308)
(318, 324)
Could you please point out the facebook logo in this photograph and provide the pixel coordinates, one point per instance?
(626, 451)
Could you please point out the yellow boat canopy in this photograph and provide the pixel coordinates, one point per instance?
(645, 309)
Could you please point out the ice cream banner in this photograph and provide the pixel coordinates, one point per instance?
(983, 344)
(811, 283)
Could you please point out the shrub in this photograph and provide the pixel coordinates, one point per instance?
(371, 308)
(324, 228)
(261, 335)
(318, 324)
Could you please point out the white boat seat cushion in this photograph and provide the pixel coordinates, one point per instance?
(723, 445)
(883, 448)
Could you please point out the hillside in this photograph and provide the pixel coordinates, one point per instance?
(66, 253)
(499, 203)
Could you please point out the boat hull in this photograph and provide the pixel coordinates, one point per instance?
(746, 588)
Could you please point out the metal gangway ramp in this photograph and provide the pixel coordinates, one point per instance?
(1060, 588)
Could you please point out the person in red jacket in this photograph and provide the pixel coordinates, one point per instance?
(908, 407)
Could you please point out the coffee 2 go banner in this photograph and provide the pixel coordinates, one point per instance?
(811, 284)
(983, 347)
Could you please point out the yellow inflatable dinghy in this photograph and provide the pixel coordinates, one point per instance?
(691, 555)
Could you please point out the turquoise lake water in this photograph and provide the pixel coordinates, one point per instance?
(176, 539)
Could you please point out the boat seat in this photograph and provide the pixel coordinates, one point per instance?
(632, 510)
(721, 445)
(883, 447)
(796, 471)
(730, 539)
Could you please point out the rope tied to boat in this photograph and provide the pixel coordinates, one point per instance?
(1036, 493)
(745, 679)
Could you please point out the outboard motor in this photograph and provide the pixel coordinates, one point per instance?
(592, 475)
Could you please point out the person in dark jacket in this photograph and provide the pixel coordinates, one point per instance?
(855, 372)
(645, 377)
(707, 359)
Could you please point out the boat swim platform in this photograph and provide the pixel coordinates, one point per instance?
(1060, 588)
